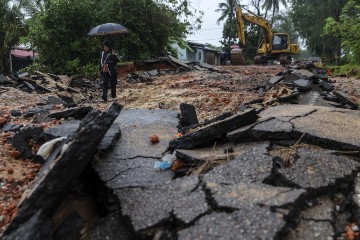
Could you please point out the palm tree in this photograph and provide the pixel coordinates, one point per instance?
(274, 5)
(227, 10)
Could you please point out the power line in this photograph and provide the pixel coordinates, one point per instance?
(205, 29)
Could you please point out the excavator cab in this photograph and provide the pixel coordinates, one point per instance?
(280, 41)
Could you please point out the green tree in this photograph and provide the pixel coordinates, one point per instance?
(60, 35)
(12, 27)
(273, 5)
(152, 27)
(227, 10)
(347, 28)
(309, 17)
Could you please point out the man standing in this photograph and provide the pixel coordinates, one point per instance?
(108, 70)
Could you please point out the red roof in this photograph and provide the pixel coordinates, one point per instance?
(22, 53)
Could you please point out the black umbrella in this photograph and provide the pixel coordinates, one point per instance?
(108, 29)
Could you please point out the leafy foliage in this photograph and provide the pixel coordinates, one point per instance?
(309, 18)
(274, 5)
(227, 10)
(347, 28)
(60, 35)
(58, 29)
(11, 29)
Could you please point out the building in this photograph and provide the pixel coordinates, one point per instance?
(20, 58)
(199, 53)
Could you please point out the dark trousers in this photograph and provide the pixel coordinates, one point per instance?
(112, 79)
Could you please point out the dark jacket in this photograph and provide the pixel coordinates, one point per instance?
(111, 60)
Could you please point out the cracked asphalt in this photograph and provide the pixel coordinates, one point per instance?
(250, 195)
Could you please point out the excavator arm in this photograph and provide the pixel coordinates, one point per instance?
(254, 19)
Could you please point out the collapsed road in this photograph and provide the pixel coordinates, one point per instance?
(281, 162)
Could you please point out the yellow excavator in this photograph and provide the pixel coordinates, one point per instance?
(274, 46)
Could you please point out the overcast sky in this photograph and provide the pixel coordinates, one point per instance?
(210, 32)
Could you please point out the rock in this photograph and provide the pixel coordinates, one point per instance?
(76, 113)
(152, 205)
(51, 187)
(8, 127)
(15, 113)
(318, 169)
(214, 130)
(21, 140)
(188, 115)
(251, 222)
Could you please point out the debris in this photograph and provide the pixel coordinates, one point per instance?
(166, 162)
(188, 115)
(22, 140)
(76, 113)
(41, 201)
(154, 139)
(8, 127)
(46, 149)
(14, 113)
(214, 130)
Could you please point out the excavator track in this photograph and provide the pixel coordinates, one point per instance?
(285, 59)
(237, 57)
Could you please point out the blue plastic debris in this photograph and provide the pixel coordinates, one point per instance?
(166, 162)
(162, 165)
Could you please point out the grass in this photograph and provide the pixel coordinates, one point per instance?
(349, 70)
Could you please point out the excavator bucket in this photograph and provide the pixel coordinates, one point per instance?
(237, 57)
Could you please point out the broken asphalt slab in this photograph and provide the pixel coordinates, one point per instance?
(220, 151)
(240, 194)
(151, 206)
(76, 113)
(316, 169)
(132, 161)
(69, 127)
(251, 222)
(321, 126)
(214, 130)
(51, 189)
(137, 126)
(255, 166)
